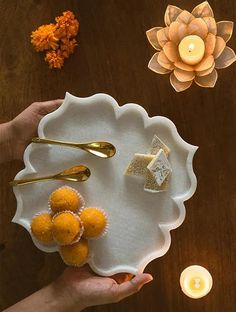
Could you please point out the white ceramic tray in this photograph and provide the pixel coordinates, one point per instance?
(139, 222)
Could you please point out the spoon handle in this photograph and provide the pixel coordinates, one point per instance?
(28, 181)
(57, 177)
(88, 147)
(56, 142)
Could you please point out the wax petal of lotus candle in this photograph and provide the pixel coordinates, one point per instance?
(195, 281)
(192, 49)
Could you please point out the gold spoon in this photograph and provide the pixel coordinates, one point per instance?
(100, 149)
(75, 174)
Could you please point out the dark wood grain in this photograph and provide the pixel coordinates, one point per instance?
(112, 57)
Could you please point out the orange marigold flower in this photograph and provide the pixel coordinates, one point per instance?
(67, 25)
(44, 38)
(68, 46)
(54, 59)
(56, 39)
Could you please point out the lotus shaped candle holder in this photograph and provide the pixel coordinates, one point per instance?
(191, 46)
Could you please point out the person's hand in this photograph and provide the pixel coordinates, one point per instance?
(84, 288)
(79, 288)
(24, 127)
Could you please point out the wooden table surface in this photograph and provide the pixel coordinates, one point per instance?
(112, 57)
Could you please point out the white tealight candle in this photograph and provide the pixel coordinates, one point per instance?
(192, 49)
(195, 281)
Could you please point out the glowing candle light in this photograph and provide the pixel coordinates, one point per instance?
(195, 281)
(192, 49)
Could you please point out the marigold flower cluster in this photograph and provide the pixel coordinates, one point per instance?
(57, 40)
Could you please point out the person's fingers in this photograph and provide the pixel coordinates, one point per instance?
(47, 107)
(122, 277)
(128, 288)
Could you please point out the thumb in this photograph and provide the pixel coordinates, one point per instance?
(134, 285)
(47, 107)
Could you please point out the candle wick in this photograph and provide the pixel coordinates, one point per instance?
(191, 47)
(197, 283)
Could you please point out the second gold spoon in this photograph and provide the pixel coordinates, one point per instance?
(75, 174)
(100, 149)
